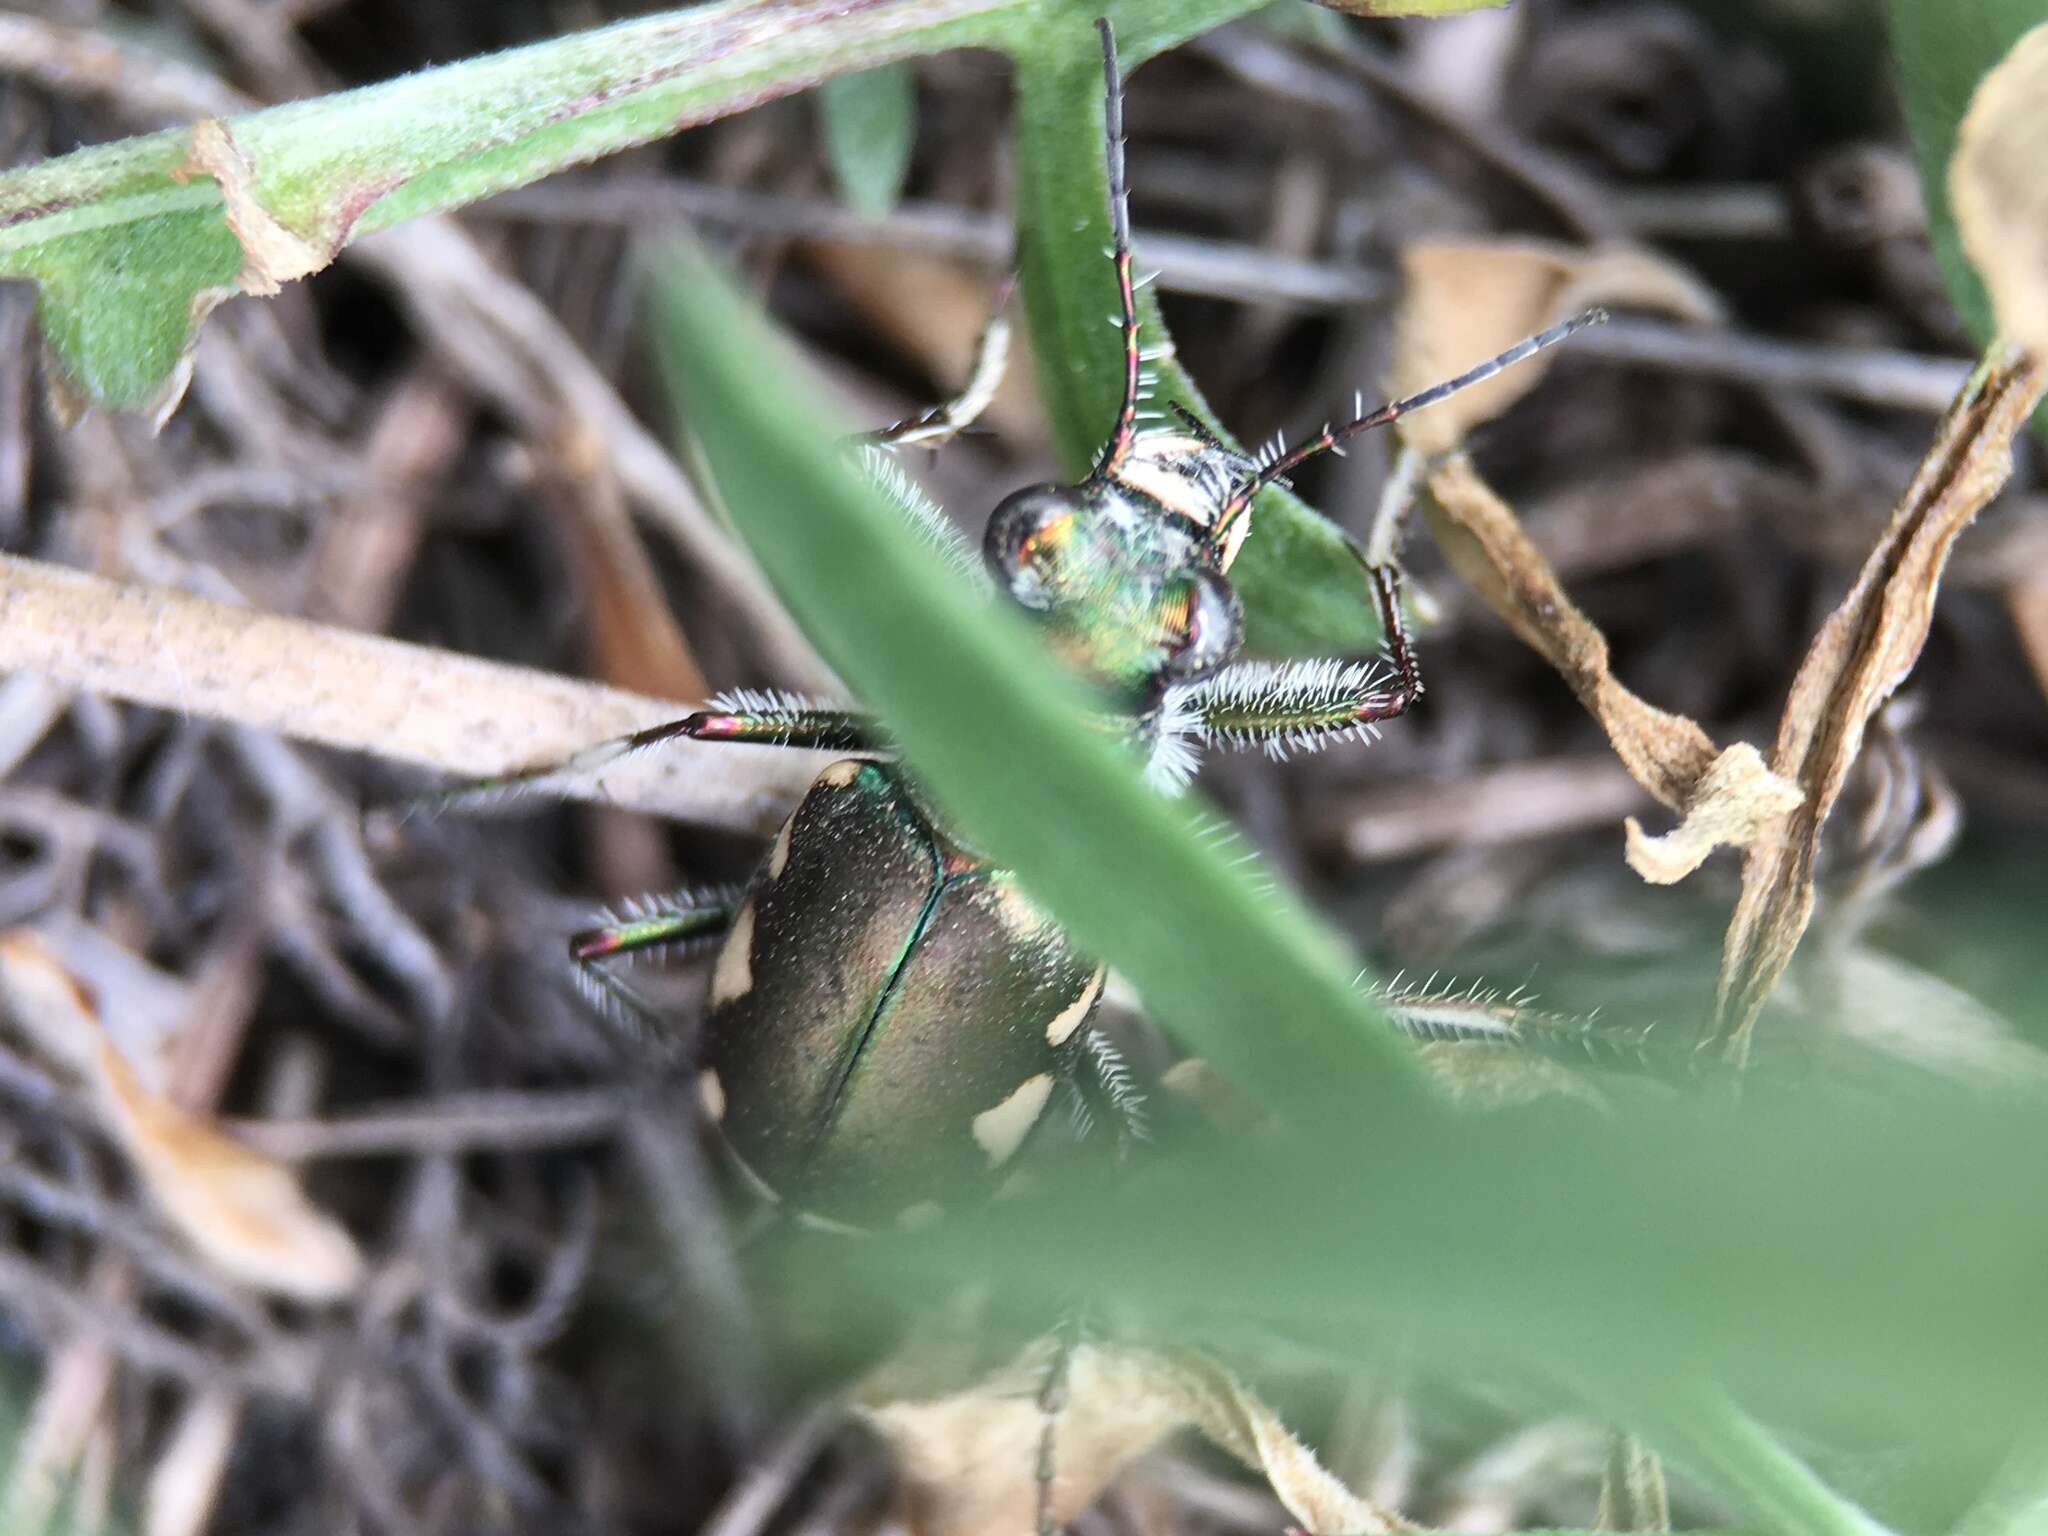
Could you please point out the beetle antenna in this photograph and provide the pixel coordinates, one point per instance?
(1119, 445)
(1280, 465)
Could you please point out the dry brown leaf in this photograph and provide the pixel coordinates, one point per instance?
(240, 1210)
(1735, 801)
(364, 693)
(633, 638)
(1998, 192)
(272, 255)
(56, 1010)
(1485, 543)
(968, 1459)
(1859, 657)
(1464, 301)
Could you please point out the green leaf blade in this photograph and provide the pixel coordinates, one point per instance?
(870, 123)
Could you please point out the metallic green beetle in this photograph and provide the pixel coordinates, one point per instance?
(890, 1020)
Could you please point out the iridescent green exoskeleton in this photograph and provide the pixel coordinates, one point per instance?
(890, 1020)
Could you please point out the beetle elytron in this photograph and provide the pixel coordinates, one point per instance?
(889, 1018)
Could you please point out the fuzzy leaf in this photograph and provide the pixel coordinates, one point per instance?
(130, 244)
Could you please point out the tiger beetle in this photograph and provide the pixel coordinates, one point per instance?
(889, 1016)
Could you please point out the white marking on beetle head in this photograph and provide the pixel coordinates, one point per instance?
(1171, 490)
(778, 856)
(1001, 1131)
(733, 977)
(711, 1094)
(1069, 1018)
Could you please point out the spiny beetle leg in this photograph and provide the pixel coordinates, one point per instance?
(1303, 705)
(946, 421)
(681, 919)
(763, 720)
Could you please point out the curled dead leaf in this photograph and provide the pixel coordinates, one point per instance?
(1668, 754)
(56, 1010)
(968, 1459)
(272, 255)
(242, 1211)
(1463, 301)
(1857, 660)
(1998, 193)
(1735, 801)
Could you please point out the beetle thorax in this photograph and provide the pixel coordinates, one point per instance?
(1185, 481)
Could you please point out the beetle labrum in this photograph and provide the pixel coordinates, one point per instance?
(889, 1018)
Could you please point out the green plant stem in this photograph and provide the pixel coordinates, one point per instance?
(1703, 1430)
(1302, 589)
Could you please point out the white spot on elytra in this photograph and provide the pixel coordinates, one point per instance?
(1020, 914)
(1069, 1018)
(778, 856)
(711, 1094)
(733, 977)
(841, 774)
(1001, 1131)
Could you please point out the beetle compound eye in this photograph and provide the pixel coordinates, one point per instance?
(1204, 623)
(1026, 544)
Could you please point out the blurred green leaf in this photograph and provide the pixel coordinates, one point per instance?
(870, 122)
(1851, 1265)
(1941, 49)
(1412, 7)
(1248, 977)
(1302, 589)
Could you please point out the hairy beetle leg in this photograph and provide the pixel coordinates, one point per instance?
(687, 917)
(949, 419)
(1307, 704)
(771, 721)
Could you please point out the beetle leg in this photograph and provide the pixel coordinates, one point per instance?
(770, 720)
(946, 421)
(680, 920)
(676, 920)
(1305, 705)
(1103, 1080)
